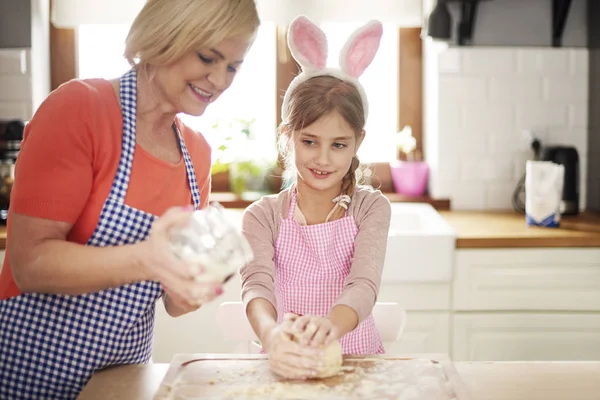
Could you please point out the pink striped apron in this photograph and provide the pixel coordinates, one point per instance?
(311, 266)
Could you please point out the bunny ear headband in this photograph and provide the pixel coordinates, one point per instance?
(308, 45)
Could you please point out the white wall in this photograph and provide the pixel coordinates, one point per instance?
(479, 100)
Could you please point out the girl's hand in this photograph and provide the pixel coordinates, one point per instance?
(314, 331)
(289, 359)
(177, 277)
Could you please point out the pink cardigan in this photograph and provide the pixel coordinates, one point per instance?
(371, 211)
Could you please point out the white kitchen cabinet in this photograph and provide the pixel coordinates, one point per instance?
(526, 304)
(526, 337)
(527, 279)
(501, 305)
(196, 332)
(15, 21)
(425, 296)
(428, 316)
(425, 332)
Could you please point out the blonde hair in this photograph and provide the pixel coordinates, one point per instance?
(311, 100)
(165, 30)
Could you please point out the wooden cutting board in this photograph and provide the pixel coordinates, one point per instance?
(224, 377)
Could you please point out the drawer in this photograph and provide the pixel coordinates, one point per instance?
(527, 279)
(526, 337)
(424, 296)
(425, 332)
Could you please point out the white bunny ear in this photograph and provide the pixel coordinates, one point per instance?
(360, 49)
(308, 44)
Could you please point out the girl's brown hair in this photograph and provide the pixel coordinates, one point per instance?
(311, 100)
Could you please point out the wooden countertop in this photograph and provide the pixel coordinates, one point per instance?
(487, 229)
(484, 380)
(230, 200)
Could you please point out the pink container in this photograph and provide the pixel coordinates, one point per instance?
(410, 177)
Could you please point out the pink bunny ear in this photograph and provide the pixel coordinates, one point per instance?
(360, 49)
(308, 44)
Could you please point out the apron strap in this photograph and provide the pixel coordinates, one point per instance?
(189, 168)
(290, 214)
(128, 95)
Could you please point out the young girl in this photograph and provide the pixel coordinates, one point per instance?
(320, 245)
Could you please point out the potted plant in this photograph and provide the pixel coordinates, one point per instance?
(247, 160)
(410, 173)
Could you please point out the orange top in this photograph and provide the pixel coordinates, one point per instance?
(69, 158)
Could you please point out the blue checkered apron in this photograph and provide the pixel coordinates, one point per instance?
(50, 345)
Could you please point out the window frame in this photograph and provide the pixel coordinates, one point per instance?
(63, 67)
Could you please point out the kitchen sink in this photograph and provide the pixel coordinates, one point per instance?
(420, 245)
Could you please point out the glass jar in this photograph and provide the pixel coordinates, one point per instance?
(212, 241)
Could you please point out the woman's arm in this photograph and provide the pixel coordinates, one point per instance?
(54, 175)
(43, 261)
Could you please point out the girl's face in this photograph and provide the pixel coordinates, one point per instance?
(323, 152)
(197, 79)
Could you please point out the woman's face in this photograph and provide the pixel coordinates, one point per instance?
(198, 78)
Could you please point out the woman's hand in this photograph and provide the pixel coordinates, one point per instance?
(177, 277)
(288, 358)
(177, 305)
(314, 331)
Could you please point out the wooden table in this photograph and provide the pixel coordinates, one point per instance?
(485, 381)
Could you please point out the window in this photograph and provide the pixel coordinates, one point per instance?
(380, 81)
(100, 51)
(254, 93)
(251, 96)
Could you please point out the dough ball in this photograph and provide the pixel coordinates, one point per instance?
(332, 361)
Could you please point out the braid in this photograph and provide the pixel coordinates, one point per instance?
(348, 186)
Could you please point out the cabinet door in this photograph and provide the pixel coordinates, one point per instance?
(425, 332)
(526, 337)
(196, 332)
(421, 296)
(15, 24)
(558, 279)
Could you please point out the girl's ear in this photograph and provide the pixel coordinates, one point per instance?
(308, 44)
(360, 49)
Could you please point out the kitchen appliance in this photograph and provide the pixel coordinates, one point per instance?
(564, 155)
(11, 136)
(567, 157)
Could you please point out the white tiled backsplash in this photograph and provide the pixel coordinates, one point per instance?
(16, 94)
(478, 103)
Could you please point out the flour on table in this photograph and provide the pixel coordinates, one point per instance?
(364, 379)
